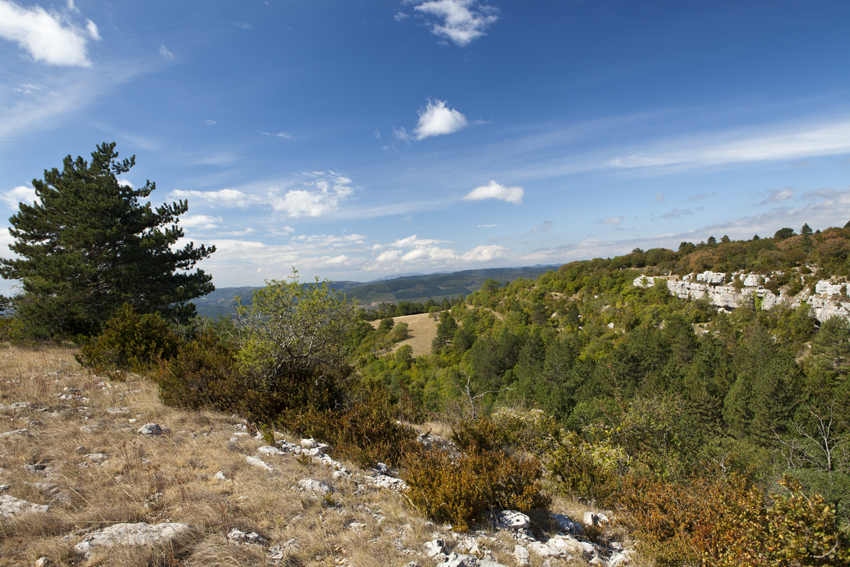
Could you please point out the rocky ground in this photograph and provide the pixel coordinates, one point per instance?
(98, 472)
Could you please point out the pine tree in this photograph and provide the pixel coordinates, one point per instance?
(87, 246)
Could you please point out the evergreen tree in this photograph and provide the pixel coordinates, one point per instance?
(87, 246)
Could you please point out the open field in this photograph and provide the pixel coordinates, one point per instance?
(422, 329)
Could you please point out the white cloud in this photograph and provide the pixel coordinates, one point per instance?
(125, 183)
(437, 119)
(388, 256)
(223, 197)
(209, 122)
(49, 37)
(319, 198)
(400, 16)
(242, 25)
(612, 220)
(202, 222)
(659, 198)
(460, 21)
(165, 53)
(496, 191)
(20, 194)
(487, 225)
(486, 254)
(413, 240)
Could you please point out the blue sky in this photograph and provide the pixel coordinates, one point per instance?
(360, 139)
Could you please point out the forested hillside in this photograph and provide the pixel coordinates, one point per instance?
(663, 393)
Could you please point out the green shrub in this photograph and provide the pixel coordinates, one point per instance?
(586, 469)
(130, 341)
(202, 374)
(460, 489)
(12, 330)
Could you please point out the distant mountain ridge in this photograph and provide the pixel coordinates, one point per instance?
(413, 288)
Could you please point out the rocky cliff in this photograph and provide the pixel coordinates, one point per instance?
(828, 300)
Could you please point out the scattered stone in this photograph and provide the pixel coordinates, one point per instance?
(309, 444)
(151, 429)
(4, 487)
(513, 520)
(356, 525)
(93, 428)
(11, 506)
(255, 462)
(118, 411)
(381, 468)
(97, 457)
(457, 560)
(317, 486)
(435, 547)
(35, 467)
(388, 482)
(220, 476)
(42, 562)
(140, 534)
(270, 450)
(252, 538)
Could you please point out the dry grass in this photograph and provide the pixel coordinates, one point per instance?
(171, 478)
(422, 328)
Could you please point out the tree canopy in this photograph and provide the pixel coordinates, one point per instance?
(87, 245)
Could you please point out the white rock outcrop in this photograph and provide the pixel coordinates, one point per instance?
(140, 534)
(11, 506)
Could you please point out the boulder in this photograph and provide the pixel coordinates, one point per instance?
(255, 462)
(316, 486)
(513, 520)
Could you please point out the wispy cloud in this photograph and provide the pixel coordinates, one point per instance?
(778, 195)
(413, 240)
(545, 226)
(659, 198)
(700, 196)
(676, 213)
(487, 225)
(48, 37)
(495, 190)
(209, 122)
(437, 119)
(242, 25)
(286, 135)
(612, 220)
(737, 147)
(460, 21)
(165, 53)
(401, 16)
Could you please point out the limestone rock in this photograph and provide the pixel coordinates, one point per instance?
(309, 444)
(132, 534)
(522, 556)
(15, 433)
(435, 547)
(255, 462)
(150, 429)
(11, 506)
(513, 520)
(316, 486)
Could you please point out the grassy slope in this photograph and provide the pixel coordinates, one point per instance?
(171, 478)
